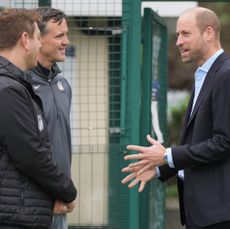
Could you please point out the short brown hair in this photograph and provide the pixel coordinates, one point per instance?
(205, 18)
(13, 22)
(47, 14)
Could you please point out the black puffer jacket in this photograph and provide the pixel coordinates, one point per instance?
(29, 179)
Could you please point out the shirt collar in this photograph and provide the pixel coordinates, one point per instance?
(207, 65)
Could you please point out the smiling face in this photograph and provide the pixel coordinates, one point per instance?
(190, 40)
(54, 43)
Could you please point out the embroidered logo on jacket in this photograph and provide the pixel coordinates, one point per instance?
(60, 86)
(36, 86)
(40, 123)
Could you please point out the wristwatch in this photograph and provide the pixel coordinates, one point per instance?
(166, 157)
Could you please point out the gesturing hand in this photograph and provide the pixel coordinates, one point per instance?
(151, 156)
(143, 178)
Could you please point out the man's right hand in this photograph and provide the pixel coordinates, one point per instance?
(62, 208)
(71, 206)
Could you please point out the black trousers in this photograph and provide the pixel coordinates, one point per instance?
(223, 225)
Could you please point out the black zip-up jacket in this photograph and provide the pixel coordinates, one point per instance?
(55, 94)
(29, 179)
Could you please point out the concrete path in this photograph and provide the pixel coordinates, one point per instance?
(172, 217)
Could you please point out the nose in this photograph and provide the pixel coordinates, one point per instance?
(66, 40)
(179, 41)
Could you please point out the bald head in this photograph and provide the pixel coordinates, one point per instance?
(204, 18)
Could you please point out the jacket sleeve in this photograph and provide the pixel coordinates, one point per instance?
(29, 151)
(166, 173)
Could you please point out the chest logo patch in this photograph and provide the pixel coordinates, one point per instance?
(60, 86)
(36, 86)
(40, 123)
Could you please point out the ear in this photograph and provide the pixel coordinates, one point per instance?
(24, 40)
(210, 33)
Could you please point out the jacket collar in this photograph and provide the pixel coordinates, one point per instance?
(10, 70)
(46, 73)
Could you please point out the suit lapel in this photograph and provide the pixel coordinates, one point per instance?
(188, 112)
(203, 92)
(189, 109)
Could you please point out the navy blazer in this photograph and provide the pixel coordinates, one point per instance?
(204, 152)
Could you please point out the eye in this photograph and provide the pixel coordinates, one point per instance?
(60, 36)
(186, 33)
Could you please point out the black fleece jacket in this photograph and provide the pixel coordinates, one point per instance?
(29, 179)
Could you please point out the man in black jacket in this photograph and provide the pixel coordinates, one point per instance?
(30, 180)
(54, 92)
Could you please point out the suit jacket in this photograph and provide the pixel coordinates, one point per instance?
(204, 153)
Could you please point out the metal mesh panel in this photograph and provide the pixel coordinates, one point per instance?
(94, 31)
(89, 7)
(91, 68)
(155, 72)
(18, 3)
(159, 74)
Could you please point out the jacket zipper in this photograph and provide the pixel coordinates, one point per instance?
(55, 102)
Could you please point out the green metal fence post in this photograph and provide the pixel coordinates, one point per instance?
(158, 47)
(132, 19)
(146, 108)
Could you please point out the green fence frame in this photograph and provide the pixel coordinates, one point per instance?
(131, 21)
(146, 210)
(154, 25)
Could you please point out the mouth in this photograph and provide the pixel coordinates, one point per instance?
(184, 52)
(62, 50)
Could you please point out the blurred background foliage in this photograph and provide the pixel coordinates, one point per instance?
(176, 122)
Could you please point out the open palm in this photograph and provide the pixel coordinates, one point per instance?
(143, 178)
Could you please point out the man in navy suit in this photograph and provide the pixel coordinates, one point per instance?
(202, 161)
